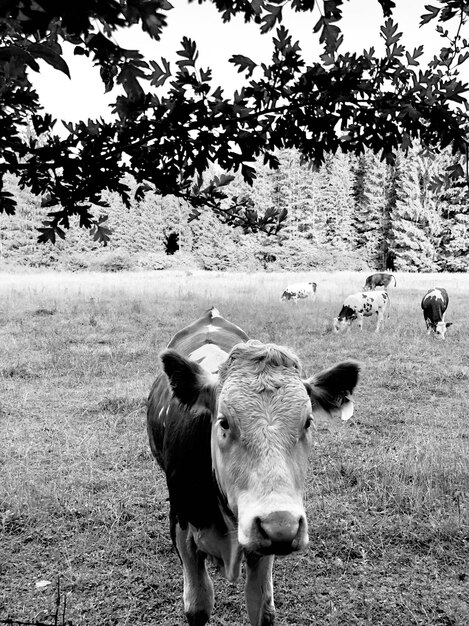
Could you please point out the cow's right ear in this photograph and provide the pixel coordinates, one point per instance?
(193, 386)
(331, 390)
(448, 324)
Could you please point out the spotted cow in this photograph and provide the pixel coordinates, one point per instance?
(299, 291)
(378, 280)
(230, 423)
(434, 305)
(360, 305)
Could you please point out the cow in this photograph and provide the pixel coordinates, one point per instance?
(378, 280)
(230, 421)
(360, 305)
(299, 290)
(434, 305)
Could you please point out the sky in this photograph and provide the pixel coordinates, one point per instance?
(83, 97)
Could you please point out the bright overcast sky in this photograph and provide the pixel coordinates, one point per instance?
(83, 96)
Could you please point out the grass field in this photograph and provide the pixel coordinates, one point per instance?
(82, 499)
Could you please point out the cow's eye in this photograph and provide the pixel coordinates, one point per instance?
(223, 423)
(308, 422)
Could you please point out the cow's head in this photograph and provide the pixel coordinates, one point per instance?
(343, 321)
(439, 328)
(262, 418)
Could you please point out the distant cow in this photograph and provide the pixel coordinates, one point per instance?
(378, 280)
(299, 290)
(360, 305)
(434, 305)
(229, 421)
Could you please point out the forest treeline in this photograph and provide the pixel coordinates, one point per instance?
(353, 213)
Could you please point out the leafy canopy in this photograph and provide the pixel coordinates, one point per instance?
(171, 124)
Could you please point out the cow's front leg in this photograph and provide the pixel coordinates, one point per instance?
(360, 321)
(198, 587)
(259, 590)
(380, 321)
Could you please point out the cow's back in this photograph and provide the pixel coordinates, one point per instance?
(435, 301)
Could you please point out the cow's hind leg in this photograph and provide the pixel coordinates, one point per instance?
(198, 588)
(259, 591)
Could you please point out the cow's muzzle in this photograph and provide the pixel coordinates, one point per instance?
(279, 532)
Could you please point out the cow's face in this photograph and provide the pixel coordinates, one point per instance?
(262, 414)
(341, 324)
(261, 438)
(439, 329)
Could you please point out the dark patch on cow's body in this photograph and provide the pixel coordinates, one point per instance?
(186, 460)
(347, 313)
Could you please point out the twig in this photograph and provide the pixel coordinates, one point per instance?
(57, 603)
(19, 622)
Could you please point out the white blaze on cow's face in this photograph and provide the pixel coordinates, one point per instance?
(261, 437)
(342, 324)
(440, 329)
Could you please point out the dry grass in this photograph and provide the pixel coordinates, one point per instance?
(80, 496)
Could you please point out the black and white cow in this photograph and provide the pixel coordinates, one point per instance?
(378, 280)
(434, 305)
(230, 421)
(360, 305)
(299, 291)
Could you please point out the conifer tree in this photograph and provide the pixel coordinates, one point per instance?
(454, 241)
(410, 243)
(300, 191)
(335, 203)
(370, 209)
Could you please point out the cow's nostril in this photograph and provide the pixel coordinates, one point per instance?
(260, 528)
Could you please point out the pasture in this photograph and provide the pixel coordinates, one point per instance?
(82, 499)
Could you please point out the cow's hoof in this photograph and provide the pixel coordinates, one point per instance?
(197, 619)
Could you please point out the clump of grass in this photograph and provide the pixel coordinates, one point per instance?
(44, 312)
(120, 405)
(18, 371)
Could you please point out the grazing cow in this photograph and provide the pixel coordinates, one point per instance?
(378, 280)
(360, 305)
(434, 305)
(299, 290)
(229, 421)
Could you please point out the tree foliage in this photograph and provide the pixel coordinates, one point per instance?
(171, 125)
(398, 223)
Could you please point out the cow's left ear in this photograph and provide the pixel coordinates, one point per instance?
(448, 324)
(330, 392)
(193, 386)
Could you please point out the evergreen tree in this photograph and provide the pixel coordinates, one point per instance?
(370, 209)
(335, 203)
(410, 243)
(300, 190)
(454, 242)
